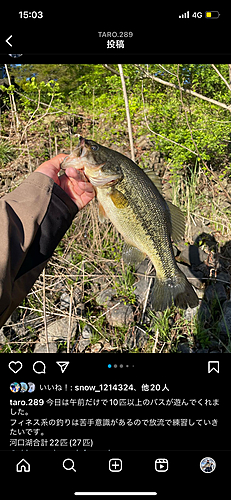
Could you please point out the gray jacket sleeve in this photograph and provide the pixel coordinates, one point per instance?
(33, 219)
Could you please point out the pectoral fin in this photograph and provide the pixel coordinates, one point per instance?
(118, 198)
(101, 213)
(132, 255)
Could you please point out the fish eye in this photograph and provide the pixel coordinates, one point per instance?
(94, 147)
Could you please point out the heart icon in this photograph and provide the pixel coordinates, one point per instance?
(15, 366)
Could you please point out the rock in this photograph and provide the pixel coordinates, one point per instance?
(42, 348)
(3, 339)
(96, 347)
(215, 291)
(175, 250)
(136, 337)
(65, 300)
(205, 239)
(105, 296)
(108, 347)
(120, 314)
(80, 309)
(223, 278)
(87, 332)
(197, 230)
(204, 313)
(58, 330)
(141, 289)
(190, 313)
(215, 346)
(225, 324)
(204, 269)
(192, 255)
(15, 328)
(192, 276)
(200, 293)
(185, 348)
(58, 286)
(77, 294)
(144, 267)
(83, 343)
(86, 338)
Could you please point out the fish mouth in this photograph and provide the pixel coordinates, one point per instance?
(103, 181)
(81, 150)
(98, 178)
(79, 159)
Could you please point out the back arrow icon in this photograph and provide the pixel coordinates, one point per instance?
(7, 40)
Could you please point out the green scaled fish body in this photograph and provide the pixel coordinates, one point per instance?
(133, 202)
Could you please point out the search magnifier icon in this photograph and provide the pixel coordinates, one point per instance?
(69, 464)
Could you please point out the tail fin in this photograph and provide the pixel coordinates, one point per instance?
(175, 290)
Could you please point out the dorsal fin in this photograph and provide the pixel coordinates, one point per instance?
(177, 217)
(178, 222)
(154, 178)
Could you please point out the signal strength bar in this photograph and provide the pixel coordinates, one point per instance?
(185, 15)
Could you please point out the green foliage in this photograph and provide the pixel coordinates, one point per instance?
(98, 91)
(7, 153)
(36, 92)
(208, 130)
(123, 284)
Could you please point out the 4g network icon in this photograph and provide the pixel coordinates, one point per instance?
(209, 14)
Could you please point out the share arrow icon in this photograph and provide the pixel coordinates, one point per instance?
(63, 365)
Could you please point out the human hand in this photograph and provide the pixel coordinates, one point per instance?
(73, 182)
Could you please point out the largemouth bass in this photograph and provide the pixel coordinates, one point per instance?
(131, 198)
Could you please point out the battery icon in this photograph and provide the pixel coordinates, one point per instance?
(212, 14)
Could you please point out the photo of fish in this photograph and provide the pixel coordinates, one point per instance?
(131, 198)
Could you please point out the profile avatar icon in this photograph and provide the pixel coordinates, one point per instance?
(15, 55)
(15, 387)
(24, 386)
(207, 464)
(31, 387)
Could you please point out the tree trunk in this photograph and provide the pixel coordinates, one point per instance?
(127, 111)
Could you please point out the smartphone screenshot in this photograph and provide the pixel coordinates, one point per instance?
(115, 201)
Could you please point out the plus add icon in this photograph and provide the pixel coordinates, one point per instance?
(115, 464)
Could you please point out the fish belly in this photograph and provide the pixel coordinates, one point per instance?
(171, 286)
(132, 228)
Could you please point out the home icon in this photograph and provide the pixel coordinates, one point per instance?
(23, 466)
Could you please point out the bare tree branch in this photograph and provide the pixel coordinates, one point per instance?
(127, 111)
(40, 117)
(214, 175)
(187, 91)
(12, 102)
(229, 65)
(160, 135)
(113, 70)
(220, 75)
